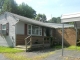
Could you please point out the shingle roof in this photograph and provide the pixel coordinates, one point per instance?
(32, 21)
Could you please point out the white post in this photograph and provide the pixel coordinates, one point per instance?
(62, 38)
(76, 38)
(76, 34)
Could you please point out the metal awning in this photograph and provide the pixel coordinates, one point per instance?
(70, 17)
(74, 17)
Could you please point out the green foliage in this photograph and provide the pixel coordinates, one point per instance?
(9, 50)
(41, 17)
(23, 9)
(74, 48)
(27, 11)
(1, 3)
(9, 5)
(55, 20)
(58, 47)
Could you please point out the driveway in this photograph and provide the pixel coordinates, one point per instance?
(2, 57)
(68, 55)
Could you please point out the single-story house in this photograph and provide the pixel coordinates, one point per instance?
(15, 28)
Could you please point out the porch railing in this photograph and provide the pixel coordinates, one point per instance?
(26, 43)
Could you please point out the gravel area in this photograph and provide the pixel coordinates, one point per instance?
(68, 55)
(2, 57)
(35, 53)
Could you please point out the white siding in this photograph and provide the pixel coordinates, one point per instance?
(20, 28)
(9, 40)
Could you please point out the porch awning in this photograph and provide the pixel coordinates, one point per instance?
(74, 17)
(70, 17)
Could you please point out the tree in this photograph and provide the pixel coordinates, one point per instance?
(23, 9)
(26, 11)
(1, 3)
(58, 20)
(9, 5)
(41, 17)
(55, 20)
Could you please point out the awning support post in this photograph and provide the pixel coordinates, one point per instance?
(62, 38)
(76, 37)
(76, 34)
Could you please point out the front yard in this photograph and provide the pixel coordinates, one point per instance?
(16, 54)
(54, 53)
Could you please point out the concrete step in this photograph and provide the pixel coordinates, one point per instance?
(23, 47)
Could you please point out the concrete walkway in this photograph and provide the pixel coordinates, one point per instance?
(2, 57)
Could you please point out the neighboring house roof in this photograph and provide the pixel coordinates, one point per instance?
(32, 21)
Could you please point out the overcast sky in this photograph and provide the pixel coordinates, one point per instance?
(53, 7)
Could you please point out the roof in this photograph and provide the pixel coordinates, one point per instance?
(70, 17)
(56, 25)
(32, 21)
(64, 16)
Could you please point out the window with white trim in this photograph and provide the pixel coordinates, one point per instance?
(34, 30)
(4, 27)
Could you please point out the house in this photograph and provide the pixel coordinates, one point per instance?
(14, 29)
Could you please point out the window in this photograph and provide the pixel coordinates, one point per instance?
(29, 29)
(44, 31)
(34, 30)
(4, 27)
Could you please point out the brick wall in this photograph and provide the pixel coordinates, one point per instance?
(69, 36)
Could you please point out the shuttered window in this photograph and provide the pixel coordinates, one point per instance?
(7, 29)
(4, 27)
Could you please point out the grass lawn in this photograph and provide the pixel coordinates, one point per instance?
(74, 48)
(9, 50)
(12, 54)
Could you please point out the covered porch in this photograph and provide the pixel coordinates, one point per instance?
(41, 39)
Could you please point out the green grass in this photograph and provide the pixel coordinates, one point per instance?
(14, 54)
(74, 48)
(58, 47)
(9, 50)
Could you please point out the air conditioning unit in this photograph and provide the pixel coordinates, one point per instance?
(4, 32)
